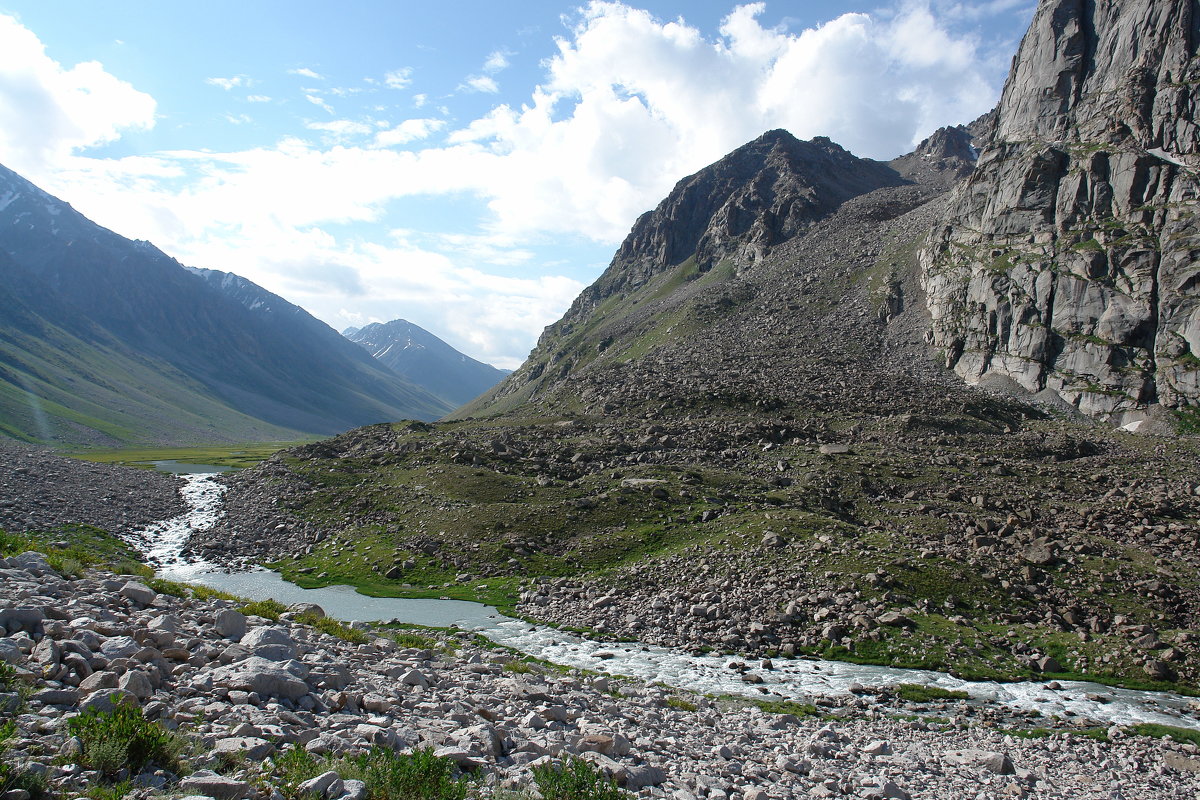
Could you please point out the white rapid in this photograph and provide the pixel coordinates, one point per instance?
(792, 679)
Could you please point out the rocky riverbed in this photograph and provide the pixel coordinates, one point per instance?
(236, 684)
(41, 491)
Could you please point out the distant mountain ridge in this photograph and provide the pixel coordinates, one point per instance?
(104, 340)
(426, 360)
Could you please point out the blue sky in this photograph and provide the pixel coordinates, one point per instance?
(468, 166)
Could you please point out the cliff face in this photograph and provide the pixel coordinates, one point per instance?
(1070, 259)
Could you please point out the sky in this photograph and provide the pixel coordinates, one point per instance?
(469, 165)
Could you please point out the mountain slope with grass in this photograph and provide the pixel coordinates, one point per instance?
(107, 340)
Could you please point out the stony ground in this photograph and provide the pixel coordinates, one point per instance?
(40, 491)
(243, 689)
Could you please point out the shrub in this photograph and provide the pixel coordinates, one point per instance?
(123, 739)
(679, 704)
(915, 693)
(388, 775)
(414, 640)
(518, 667)
(419, 775)
(268, 609)
(575, 779)
(333, 628)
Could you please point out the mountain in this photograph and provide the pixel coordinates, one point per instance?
(1068, 260)
(751, 433)
(426, 360)
(107, 340)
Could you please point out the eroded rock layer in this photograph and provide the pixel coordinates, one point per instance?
(1069, 259)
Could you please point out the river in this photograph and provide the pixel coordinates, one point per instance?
(791, 679)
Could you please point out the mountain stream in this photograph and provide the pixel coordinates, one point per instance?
(790, 679)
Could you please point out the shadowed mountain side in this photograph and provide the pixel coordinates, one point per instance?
(426, 360)
(199, 343)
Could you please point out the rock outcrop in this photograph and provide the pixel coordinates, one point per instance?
(1068, 260)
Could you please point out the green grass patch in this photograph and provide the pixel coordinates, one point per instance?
(1183, 735)
(236, 456)
(70, 549)
(916, 693)
(680, 704)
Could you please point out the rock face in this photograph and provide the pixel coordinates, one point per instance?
(759, 195)
(1068, 260)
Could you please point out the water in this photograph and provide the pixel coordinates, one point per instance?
(792, 679)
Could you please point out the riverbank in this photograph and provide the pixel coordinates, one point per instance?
(233, 685)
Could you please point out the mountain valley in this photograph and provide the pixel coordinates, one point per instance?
(937, 413)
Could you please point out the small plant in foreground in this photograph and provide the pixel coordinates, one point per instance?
(123, 739)
(419, 775)
(14, 776)
(679, 704)
(575, 779)
(388, 775)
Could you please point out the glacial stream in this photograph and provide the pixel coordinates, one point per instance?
(791, 679)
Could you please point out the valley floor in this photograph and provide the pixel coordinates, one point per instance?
(241, 688)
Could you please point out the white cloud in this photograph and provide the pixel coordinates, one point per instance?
(228, 83)
(257, 98)
(238, 119)
(341, 129)
(482, 83)
(398, 78)
(48, 111)
(497, 61)
(305, 72)
(410, 130)
(319, 102)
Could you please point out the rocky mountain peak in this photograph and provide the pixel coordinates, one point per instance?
(761, 194)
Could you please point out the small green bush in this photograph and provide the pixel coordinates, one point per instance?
(333, 628)
(518, 667)
(268, 609)
(208, 593)
(679, 704)
(388, 775)
(414, 640)
(294, 766)
(164, 586)
(419, 775)
(123, 739)
(787, 707)
(575, 779)
(915, 693)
